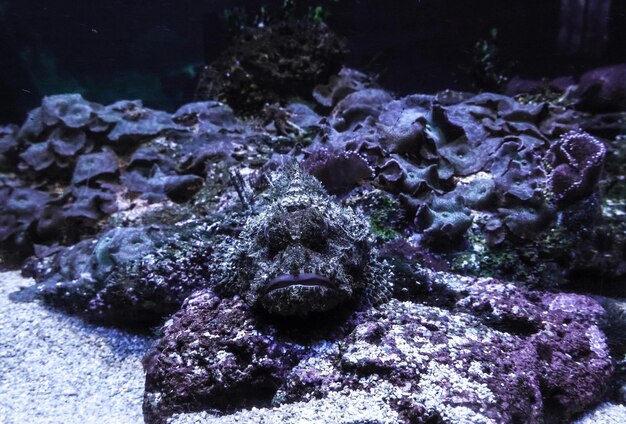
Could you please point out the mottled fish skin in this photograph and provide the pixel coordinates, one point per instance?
(301, 252)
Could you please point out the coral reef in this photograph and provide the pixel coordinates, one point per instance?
(481, 168)
(432, 155)
(79, 162)
(470, 174)
(310, 245)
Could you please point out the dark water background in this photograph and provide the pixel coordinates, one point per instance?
(148, 49)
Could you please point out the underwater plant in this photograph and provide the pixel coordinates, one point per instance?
(487, 71)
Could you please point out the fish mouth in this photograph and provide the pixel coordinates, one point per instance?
(304, 280)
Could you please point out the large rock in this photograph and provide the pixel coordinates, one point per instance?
(603, 89)
(129, 276)
(470, 351)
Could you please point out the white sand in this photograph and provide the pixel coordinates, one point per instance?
(58, 369)
(606, 413)
(350, 408)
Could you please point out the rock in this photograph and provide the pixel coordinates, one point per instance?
(485, 352)
(215, 350)
(603, 89)
(131, 277)
(272, 63)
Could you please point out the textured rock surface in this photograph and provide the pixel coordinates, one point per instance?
(605, 413)
(489, 352)
(228, 359)
(129, 276)
(603, 89)
(272, 63)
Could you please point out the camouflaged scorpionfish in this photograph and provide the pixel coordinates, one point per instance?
(302, 252)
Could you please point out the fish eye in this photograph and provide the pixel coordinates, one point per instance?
(276, 236)
(315, 233)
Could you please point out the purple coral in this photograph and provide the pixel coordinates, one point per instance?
(577, 159)
(444, 221)
(94, 165)
(8, 146)
(346, 82)
(339, 172)
(404, 126)
(70, 109)
(357, 107)
(21, 207)
(399, 175)
(154, 174)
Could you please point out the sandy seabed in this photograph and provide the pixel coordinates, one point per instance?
(56, 368)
